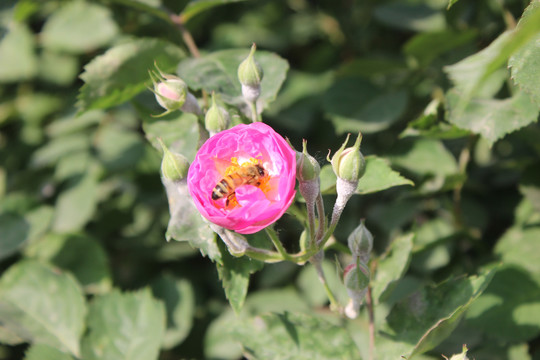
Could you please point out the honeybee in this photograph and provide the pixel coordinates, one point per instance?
(244, 175)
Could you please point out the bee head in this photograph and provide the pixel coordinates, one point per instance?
(261, 170)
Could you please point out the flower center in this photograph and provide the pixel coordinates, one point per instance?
(250, 172)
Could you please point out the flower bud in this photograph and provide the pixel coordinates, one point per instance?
(170, 90)
(356, 279)
(361, 242)
(462, 356)
(307, 168)
(349, 164)
(173, 166)
(217, 118)
(356, 276)
(250, 73)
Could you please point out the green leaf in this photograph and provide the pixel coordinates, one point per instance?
(295, 336)
(428, 316)
(509, 309)
(179, 131)
(59, 147)
(450, 3)
(312, 289)
(519, 246)
(42, 305)
(492, 118)
(414, 17)
(79, 27)
(179, 299)
(17, 231)
(195, 7)
(378, 176)
(426, 47)
(58, 68)
(392, 267)
(186, 222)
(76, 205)
(64, 251)
(44, 352)
(126, 326)
(424, 156)
(355, 105)
(525, 62)
(21, 64)
(218, 71)
(119, 148)
(13, 232)
(234, 273)
(122, 72)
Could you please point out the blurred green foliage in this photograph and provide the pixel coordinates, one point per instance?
(446, 93)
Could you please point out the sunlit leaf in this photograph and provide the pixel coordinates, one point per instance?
(21, 64)
(42, 305)
(195, 7)
(122, 72)
(45, 352)
(218, 71)
(126, 326)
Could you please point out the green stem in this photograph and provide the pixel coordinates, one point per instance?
(263, 255)
(255, 116)
(310, 206)
(275, 240)
(321, 216)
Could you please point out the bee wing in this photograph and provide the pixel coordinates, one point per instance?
(221, 165)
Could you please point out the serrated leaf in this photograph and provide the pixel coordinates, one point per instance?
(218, 71)
(21, 64)
(392, 267)
(295, 336)
(492, 118)
(79, 27)
(179, 299)
(42, 305)
(378, 176)
(374, 115)
(126, 326)
(179, 131)
(64, 251)
(76, 205)
(186, 222)
(424, 156)
(44, 352)
(122, 72)
(525, 62)
(429, 315)
(195, 7)
(509, 309)
(234, 274)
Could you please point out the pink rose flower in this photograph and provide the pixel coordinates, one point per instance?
(243, 178)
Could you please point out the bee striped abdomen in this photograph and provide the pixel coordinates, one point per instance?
(226, 187)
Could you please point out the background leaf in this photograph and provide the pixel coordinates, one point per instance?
(79, 27)
(42, 305)
(218, 71)
(122, 72)
(124, 326)
(21, 64)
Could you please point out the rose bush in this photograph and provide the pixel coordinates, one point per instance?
(252, 207)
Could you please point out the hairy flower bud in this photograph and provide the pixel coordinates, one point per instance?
(217, 118)
(250, 74)
(360, 243)
(349, 163)
(356, 280)
(173, 166)
(170, 90)
(307, 168)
